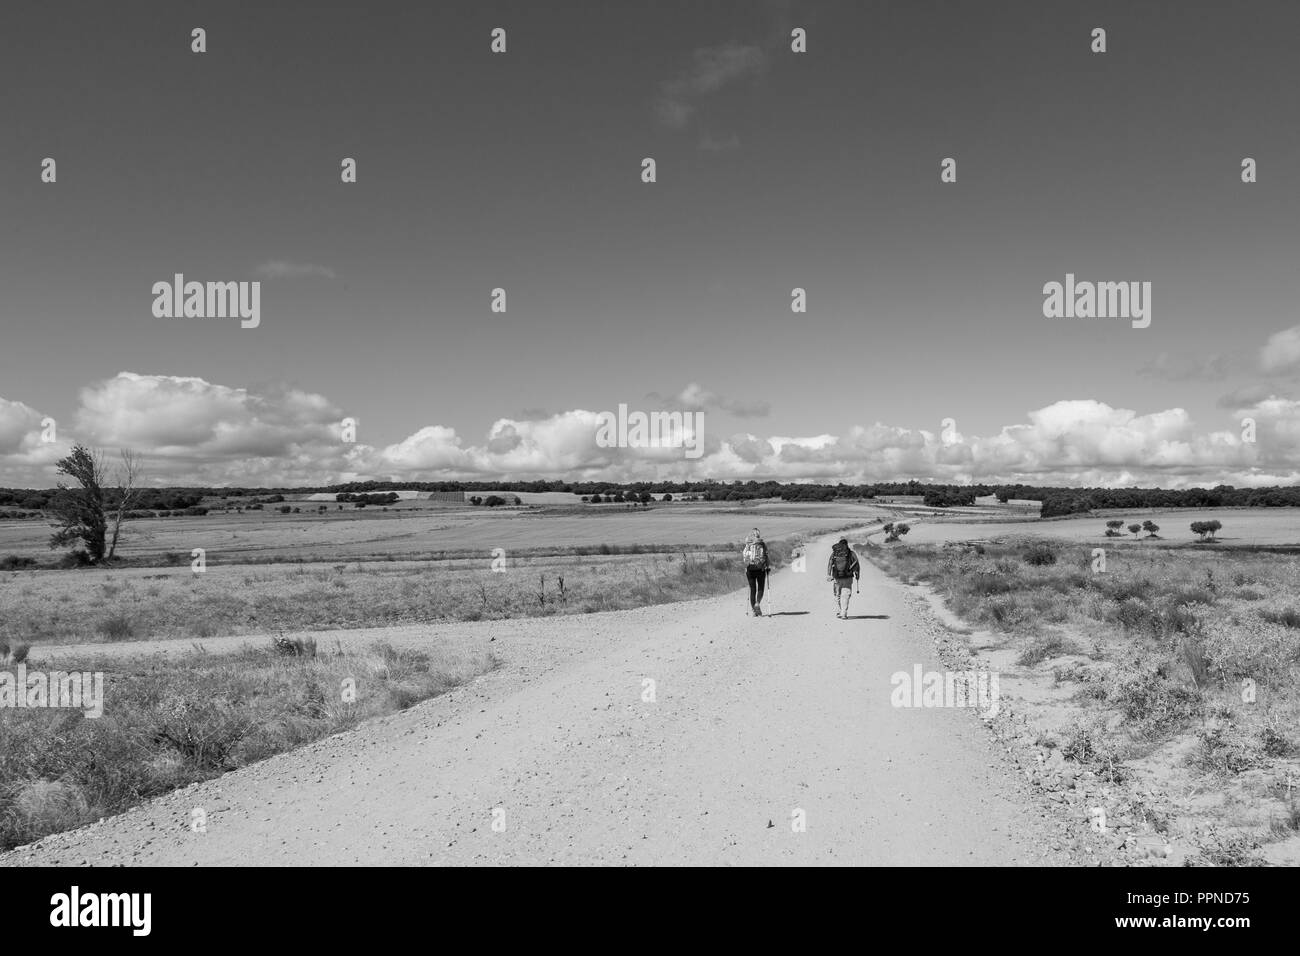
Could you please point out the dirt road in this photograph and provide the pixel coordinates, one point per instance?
(755, 726)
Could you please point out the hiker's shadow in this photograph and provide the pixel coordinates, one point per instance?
(786, 614)
(867, 617)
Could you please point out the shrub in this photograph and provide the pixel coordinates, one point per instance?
(1287, 617)
(1136, 614)
(116, 627)
(1044, 648)
(1039, 554)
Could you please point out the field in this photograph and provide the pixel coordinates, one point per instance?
(351, 535)
(39, 608)
(171, 727)
(1252, 527)
(1174, 672)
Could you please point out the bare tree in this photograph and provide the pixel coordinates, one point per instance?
(128, 493)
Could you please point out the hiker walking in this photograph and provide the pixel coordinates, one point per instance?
(843, 570)
(756, 568)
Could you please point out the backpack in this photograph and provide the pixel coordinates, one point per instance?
(755, 554)
(842, 561)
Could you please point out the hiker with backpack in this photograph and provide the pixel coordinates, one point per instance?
(843, 570)
(756, 569)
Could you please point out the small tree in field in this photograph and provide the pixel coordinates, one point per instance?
(80, 510)
(1150, 527)
(1206, 529)
(93, 513)
(1134, 528)
(896, 531)
(1112, 528)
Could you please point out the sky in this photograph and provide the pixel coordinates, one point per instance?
(774, 170)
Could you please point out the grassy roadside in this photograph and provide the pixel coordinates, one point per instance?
(1170, 670)
(163, 728)
(105, 606)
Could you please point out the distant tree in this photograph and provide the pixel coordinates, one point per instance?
(1134, 528)
(1150, 527)
(493, 501)
(896, 531)
(475, 500)
(518, 500)
(668, 496)
(285, 509)
(1112, 528)
(646, 497)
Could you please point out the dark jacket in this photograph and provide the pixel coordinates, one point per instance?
(853, 569)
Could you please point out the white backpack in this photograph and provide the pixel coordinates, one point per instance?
(754, 553)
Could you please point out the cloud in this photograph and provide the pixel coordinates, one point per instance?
(711, 69)
(1185, 368)
(192, 431)
(1248, 395)
(25, 451)
(695, 398)
(276, 269)
(1281, 353)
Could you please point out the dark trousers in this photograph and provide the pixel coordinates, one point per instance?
(757, 578)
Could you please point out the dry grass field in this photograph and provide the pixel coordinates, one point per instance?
(259, 536)
(1252, 527)
(69, 607)
(1174, 671)
(168, 727)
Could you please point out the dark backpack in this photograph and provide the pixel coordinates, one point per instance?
(842, 561)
